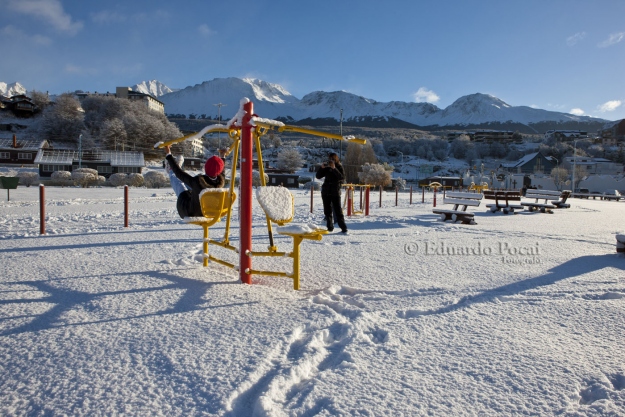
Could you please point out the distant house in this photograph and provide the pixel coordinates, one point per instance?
(534, 163)
(127, 93)
(105, 162)
(21, 105)
(151, 102)
(446, 182)
(484, 135)
(613, 133)
(565, 135)
(285, 180)
(598, 166)
(20, 152)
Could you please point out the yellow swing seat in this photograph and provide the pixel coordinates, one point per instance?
(215, 203)
(279, 206)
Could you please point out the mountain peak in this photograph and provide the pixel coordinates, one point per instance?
(12, 89)
(153, 87)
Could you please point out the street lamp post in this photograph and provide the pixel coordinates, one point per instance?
(80, 151)
(341, 133)
(574, 163)
(218, 105)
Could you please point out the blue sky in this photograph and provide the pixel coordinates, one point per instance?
(561, 55)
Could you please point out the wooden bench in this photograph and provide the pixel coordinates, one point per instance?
(460, 202)
(620, 243)
(561, 202)
(506, 201)
(546, 195)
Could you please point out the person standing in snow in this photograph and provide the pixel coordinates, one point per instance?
(188, 187)
(333, 172)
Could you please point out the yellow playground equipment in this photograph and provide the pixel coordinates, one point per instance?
(478, 188)
(246, 129)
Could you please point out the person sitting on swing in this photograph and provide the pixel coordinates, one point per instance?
(188, 187)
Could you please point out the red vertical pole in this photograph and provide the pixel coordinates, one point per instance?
(367, 201)
(312, 192)
(411, 195)
(245, 200)
(361, 198)
(42, 209)
(125, 206)
(423, 194)
(434, 196)
(350, 201)
(380, 196)
(396, 195)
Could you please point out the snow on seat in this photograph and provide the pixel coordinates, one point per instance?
(277, 202)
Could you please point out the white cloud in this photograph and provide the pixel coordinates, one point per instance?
(610, 106)
(577, 112)
(77, 70)
(106, 16)
(204, 30)
(613, 39)
(572, 40)
(50, 11)
(425, 95)
(11, 31)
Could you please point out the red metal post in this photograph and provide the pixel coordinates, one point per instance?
(312, 192)
(360, 198)
(245, 199)
(423, 194)
(350, 201)
(380, 196)
(42, 210)
(434, 196)
(367, 201)
(396, 195)
(125, 206)
(411, 195)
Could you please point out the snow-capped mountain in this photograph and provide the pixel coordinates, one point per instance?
(270, 100)
(153, 87)
(273, 101)
(13, 89)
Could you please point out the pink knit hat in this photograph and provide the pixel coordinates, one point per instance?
(214, 165)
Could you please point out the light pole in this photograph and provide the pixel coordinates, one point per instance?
(341, 133)
(218, 105)
(80, 151)
(574, 163)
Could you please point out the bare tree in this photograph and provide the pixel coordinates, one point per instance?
(290, 160)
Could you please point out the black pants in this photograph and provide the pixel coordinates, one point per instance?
(331, 207)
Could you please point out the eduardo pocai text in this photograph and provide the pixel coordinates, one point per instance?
(507, 252)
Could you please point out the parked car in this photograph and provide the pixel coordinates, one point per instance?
(612, 195)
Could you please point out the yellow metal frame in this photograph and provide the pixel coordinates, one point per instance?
(350, 188)
(215, 206)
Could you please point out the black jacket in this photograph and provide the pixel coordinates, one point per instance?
(333, 178)
(188, 204)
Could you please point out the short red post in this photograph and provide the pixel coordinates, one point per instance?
(423, 194)
(125, 206)
(380, 196)
(434, 196)
(396, 195)
(367, 201)
(411, 194)
(312, 192)
(42, 209)
(350, 200)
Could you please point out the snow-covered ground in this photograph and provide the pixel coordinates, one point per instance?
(518, 315)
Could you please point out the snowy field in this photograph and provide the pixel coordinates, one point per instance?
(518, 315)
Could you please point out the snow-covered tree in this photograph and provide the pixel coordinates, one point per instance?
(374, 174)
(28, 178)
(62, 177)
(85, 176)
(64, 121)
(289, 159)
(135, 180)
(560, 176)
(256, 179)
(118, 179)
(155, 179)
